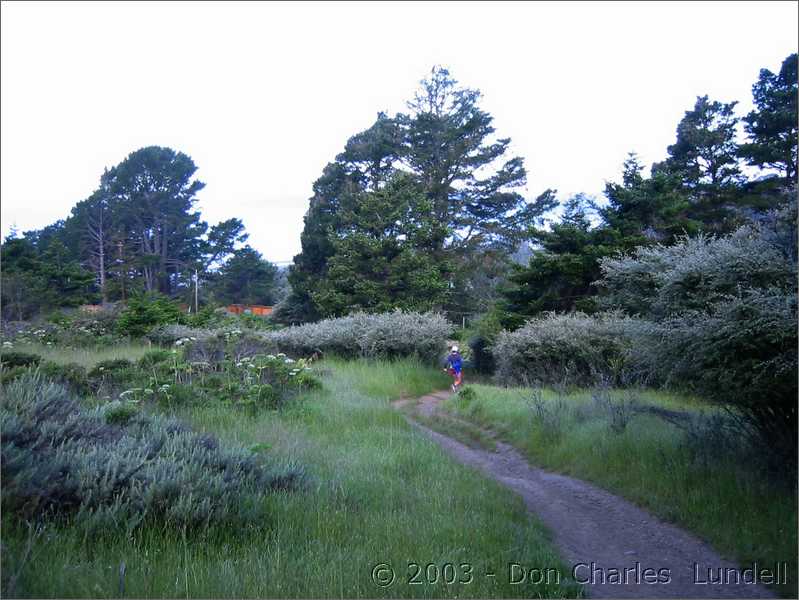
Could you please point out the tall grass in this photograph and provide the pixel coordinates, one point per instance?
(741, 512)
(86, 357)
(377, 492)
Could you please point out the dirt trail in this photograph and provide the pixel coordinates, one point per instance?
(590, 525)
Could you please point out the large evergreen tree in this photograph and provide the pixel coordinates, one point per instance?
(772, 126)
(449, 144)
(156, 193)
(384, 257)
(446, 145)
(245, 278)
(561, 272)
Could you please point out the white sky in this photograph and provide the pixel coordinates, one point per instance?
(262, 96)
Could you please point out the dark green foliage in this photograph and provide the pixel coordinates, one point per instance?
(448, 143)
(385, 258)
(110, 377)
(35, 279)
(483, 338)
(110, 368)
(110, 469)
(471, 205)
(71, 375)
(15, 358)
(119, 413)
(560, 275)
(772, 126)
(245, 278)
(138, 232)
(154, 192)
(722, 321)
(705, 151)
(145, 312)
(155, 357)
(645, 210)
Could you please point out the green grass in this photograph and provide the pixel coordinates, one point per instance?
(740, 512)
(377, 492)
(86, 357)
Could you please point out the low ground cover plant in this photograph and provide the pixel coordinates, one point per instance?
(114, 466)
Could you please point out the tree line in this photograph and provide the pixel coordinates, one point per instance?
(139, 232)
(423, 210)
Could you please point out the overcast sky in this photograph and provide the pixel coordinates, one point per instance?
(262, 96)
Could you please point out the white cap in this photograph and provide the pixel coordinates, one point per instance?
(454, 348)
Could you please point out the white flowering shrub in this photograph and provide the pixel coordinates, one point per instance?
(659, 281)
(721, 322)
(571, 349)
(383, 335)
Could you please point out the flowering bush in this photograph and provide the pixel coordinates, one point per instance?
(77, 331)
(575, 349)
(367, 335)
(695, 273)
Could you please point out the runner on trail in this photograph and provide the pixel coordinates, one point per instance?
(455, 367)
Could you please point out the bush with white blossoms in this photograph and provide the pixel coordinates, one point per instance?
(571, 349)
(367, 335)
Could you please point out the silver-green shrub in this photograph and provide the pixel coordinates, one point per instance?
(383, 335)
(720, 320)
(100, 470)
(575, 349)
(695, 273)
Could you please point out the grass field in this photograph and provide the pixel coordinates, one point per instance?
(377, 493)
(86, 357)
(741, 512)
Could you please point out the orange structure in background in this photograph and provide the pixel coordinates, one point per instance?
(249, 309)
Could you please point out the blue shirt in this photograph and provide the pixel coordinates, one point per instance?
(455, 361)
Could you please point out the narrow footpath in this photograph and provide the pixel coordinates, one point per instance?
(595, 529)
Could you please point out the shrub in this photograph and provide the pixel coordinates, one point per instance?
(721, 322)
(383, 335)
(167, 335)
(14, 358)
(485, 335)
(695, 273)
(145, 312)
(573, 349)
(72, 375)
(106, 468)
(119, 413)
(152, 358)
(741, 353)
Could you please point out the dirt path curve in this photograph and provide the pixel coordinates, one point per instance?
(594, 528)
